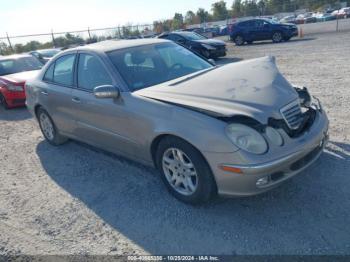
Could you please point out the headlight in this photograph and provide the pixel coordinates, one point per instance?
(209, 47)
(14, 88)
(274, 136)
(246, 138)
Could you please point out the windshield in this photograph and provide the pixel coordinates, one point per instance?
(12, 66)
(149, 65)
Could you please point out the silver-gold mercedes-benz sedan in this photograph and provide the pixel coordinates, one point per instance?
(235, 130)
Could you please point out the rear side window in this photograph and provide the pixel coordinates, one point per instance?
(91, 73)
(49, 73)
(64, 68)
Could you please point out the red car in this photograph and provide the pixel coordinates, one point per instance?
(15, 70)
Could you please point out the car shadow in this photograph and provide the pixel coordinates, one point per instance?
(308, 214)
(14, 114)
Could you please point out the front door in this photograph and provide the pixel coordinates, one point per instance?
(99, 121)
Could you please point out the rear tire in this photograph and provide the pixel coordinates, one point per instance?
(48, 128)
(277, 37)
(239, 40)
(3, 102)
(194, 186)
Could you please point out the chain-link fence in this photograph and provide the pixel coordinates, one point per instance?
(19, 43)
(308, 22)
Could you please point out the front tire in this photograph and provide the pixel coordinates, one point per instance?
(49, 129)
(185, 172)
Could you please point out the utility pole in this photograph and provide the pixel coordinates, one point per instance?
(89, 33)
(53, 38)
(8, 39)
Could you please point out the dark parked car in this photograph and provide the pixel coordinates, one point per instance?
(209, 48)
(261, 29)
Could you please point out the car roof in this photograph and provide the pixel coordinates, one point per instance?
(111, 45)
(48, 49)
(14, 56)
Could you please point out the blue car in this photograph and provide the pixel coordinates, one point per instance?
(252, 30)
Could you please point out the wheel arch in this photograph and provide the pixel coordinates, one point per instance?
(36, 109)
(160, 137)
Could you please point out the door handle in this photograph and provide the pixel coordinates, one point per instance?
(44, 92)
(76, 100)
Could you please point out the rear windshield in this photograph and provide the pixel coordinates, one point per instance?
(149, 65)
(12, 66)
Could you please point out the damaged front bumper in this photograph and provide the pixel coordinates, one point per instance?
(258, 174)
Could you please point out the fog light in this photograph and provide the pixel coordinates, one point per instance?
(262, 181)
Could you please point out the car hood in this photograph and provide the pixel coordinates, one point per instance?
(21, 76)
(253, 88)
(212, 42)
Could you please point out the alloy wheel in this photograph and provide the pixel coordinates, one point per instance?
(47, 126)
(277, 37)
(180, 171)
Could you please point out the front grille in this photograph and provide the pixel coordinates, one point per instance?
(292, 114)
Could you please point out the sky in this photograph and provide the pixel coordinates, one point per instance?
(41, 16)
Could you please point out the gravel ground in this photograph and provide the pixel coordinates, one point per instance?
(75, 199)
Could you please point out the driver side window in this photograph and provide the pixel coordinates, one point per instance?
(91, 73)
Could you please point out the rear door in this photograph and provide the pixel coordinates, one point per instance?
(56, 92)
(257, 29)
(246, 28)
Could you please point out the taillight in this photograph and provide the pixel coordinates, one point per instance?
(12, 86)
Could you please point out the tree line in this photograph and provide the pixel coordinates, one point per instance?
(241, 8)
(220, 10)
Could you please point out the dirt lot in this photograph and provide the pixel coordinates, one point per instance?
(75, 199)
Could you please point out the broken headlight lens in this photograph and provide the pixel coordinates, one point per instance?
(246, 138)
(274, 136)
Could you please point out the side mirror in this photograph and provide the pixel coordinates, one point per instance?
(106, 91)
(212, 61)
(181, 42)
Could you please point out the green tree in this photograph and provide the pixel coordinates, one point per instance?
(237, 7)
(178, 22)
(220, 11)
(203, 15)
(190, 18)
